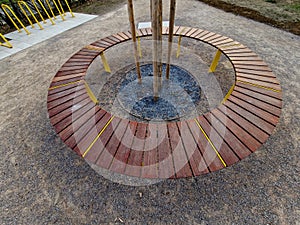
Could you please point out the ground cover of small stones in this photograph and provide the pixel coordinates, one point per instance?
(43, 182)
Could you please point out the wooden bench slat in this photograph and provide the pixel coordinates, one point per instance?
(64, 99)
(255, 110)
(71, 114)
(79, 76)
(119, 37)
(254, 72)
(123, 36)
(225, 152)
(202, 34)
(69, 72)
(65, 93)
(193, 35)
(64, 88)
(86, 134)
(208, 35)
(108, 143)
(249, 62)
(191, 32)
(195, 158)
(253, 77)
(102, 152)
(164, 150)
(135, 159)
(236, 50)
(257, 133)
(120, 160)
(181, 162)
(57, 109)
(272, 97)
(221, 39)
(150, 161)
(67, 68)
(248, 115)
(149, 30)
(240, 149)
(65, 82)
(253, 67)
(211, 160)
(245, 58)
(211, 38)
(237, 130)
(260, 83)
(74, 133)
(258, 103)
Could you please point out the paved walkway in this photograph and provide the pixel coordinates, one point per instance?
(21, 41)
(44, 182)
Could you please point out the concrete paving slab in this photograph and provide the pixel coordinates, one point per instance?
(21, 40)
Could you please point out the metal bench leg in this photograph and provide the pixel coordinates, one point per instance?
(91, 94)
(215, 61)
(105, 63)
(178, 48)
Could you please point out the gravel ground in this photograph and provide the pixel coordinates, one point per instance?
(43, 182)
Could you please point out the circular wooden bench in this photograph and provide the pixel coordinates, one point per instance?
(204, 144)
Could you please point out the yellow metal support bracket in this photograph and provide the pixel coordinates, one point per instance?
(105, 64)
(7, 44)
(178, 48)
(91, 94)
(215, 61)
(31, 13)
(4, 7)
(228, 94)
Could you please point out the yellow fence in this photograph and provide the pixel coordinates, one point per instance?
(26, 9)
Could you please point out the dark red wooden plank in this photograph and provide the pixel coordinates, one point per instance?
(212, 162)
(69, 72)
(165, 152)
(119, 37)
(255, 110)
(63, 93)
(253, 90)
(253, 67)
(64, 99)
(101, 152)
(63, 88)
(258, 103)
(67, 104)
(257, 133)
(253, 118)
(76, 131)
(260, 83)
(224, 151)
(65, 82)
(237, 130)
(150, 165)
(254, 72)
(123, 151)
(135, 159)
(195, 158)
(71, 112)
(254, 78)
(88, 132)
(79, 76)
(230, 139)
(181, 162)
